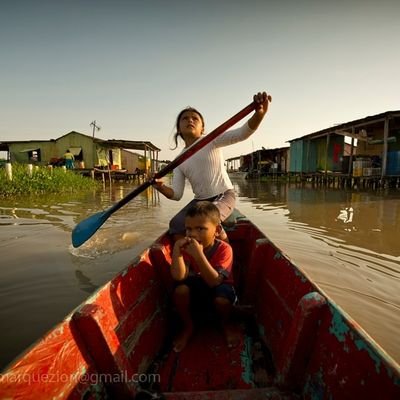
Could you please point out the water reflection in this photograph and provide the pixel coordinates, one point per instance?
(346, 215)
(370, 220)
(364, 220)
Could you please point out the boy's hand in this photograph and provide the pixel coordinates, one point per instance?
(188, 245)
(193, 247)
(179, 246)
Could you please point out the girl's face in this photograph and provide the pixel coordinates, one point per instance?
(190, 125)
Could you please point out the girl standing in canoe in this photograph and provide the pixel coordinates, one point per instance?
(205, 170)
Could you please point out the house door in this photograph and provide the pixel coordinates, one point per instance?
(110, 157)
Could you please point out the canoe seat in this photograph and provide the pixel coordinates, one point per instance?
(101, 343)
(123, 329)
(292, 361)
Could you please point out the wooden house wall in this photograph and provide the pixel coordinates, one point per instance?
(376, 132)
(321, 152)
(246, 162)
(264, 159)
(307, 156)
(336, 152)
(18, 155)
(108, 156)
(310, 156)
(131, 161)
(103, 155)
(366, 149)
(395, 146)
(296, 156)
(393, 160)
(303, 156)
(331, 159)
(114, 156)
(75, 139)
(393, 163)
(283, 159)
(394, 130)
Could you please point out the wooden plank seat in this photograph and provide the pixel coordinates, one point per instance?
(123, 327)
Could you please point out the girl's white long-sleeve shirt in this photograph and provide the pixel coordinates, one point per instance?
(205, 169)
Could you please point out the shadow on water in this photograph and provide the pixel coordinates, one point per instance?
(84, 282)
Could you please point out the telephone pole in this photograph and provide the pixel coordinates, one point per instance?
(95, 128)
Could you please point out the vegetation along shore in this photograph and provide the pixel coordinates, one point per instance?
(25, 180)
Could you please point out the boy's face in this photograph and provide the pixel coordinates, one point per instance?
(202, 229)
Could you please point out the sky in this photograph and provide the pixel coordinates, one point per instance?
(133, 65)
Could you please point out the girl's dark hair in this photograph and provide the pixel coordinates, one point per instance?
(178, 118)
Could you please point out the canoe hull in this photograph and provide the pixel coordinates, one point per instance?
(295, 342)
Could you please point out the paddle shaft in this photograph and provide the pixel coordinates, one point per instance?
(194, 148)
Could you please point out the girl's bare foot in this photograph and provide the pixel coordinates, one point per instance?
(182, 339)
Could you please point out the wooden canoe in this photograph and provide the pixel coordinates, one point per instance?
(296, 343)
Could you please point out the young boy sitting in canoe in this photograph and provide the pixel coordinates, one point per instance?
(201, 267)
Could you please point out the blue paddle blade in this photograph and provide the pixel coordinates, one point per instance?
(86, 228)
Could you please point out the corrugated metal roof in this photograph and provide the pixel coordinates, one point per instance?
(126, 144)
(356, 123)
(132, 144)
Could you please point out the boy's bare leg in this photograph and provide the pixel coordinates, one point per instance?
(231, 330)
(182, 304)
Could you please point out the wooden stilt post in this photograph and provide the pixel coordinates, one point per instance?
(9, 171)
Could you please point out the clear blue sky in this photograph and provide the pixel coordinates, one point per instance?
(133, 65)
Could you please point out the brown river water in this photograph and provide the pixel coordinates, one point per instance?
(346, 241)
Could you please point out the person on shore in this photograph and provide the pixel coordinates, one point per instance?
(205, 169)
(69, 160)
(201, 268)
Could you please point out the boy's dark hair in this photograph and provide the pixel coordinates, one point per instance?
(206, 209)
(178, 118)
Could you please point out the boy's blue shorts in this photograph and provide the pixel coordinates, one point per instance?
(201, 293)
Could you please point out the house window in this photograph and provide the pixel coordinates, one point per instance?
(34, 155)
(77, 152)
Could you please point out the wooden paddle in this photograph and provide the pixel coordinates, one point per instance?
(86, 228)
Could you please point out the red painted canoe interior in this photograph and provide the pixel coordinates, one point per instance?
(293, 343)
